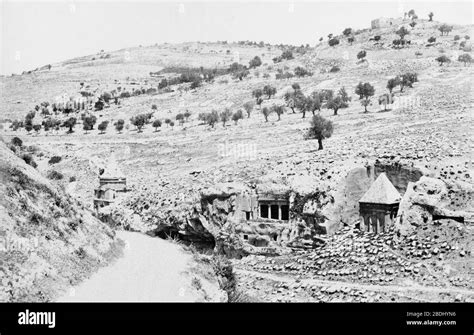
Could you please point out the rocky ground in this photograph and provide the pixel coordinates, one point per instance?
(363, 267)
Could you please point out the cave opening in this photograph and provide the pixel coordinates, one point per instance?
(202, 242)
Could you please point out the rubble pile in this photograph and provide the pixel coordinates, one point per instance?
(350, 255)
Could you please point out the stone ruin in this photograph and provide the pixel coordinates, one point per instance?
(384, 22)
(112, 183)
(262, 217)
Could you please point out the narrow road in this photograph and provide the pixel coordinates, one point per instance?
(369, 287)
(151, 269)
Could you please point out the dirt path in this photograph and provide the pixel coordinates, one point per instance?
(340, 284)
(150, 270)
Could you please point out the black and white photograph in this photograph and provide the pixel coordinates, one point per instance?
(238, 153)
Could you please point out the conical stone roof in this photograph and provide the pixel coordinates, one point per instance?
(112, 170)
(382, 191)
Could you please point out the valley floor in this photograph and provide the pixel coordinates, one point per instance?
(151, 270)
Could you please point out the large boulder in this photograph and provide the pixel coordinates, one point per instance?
(432, 199)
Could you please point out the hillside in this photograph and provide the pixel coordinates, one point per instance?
(185, 179)
(50, 241)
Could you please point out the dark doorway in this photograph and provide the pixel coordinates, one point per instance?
(264, 211)
(285, 212)
(274, 212)
(247, 216)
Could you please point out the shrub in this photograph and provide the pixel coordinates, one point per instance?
(255, 62)
(347, 31)
(72, 179)
(29, 160)
(70, 123)
(361, 55)
(180, 117)
(457, 37)
(55, 175)
(225, 116)
(465, 58)
(156, 124)
(336, 103)
(287, 54)
(248, 106)
(431, 39)
(212, 118)
(187, 114)
(443, 59)
(333, 42)
(89, 122)
(237, 116)
(269, 91)
(55, 159)
(445, 29)
(103, 126)
(278, 110)
(99, 105)
(385, 99)
(301, 72)
(257, 93)
(402, 32)
(16, 141)
(392, 83)
(266, 112)
(365, 91)
(139, 121)
(195, 84)
(119, 125)
(335, 69)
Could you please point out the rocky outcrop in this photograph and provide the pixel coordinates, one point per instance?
(430, 199)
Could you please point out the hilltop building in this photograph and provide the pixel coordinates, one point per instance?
(378, 207)
(384, 22)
